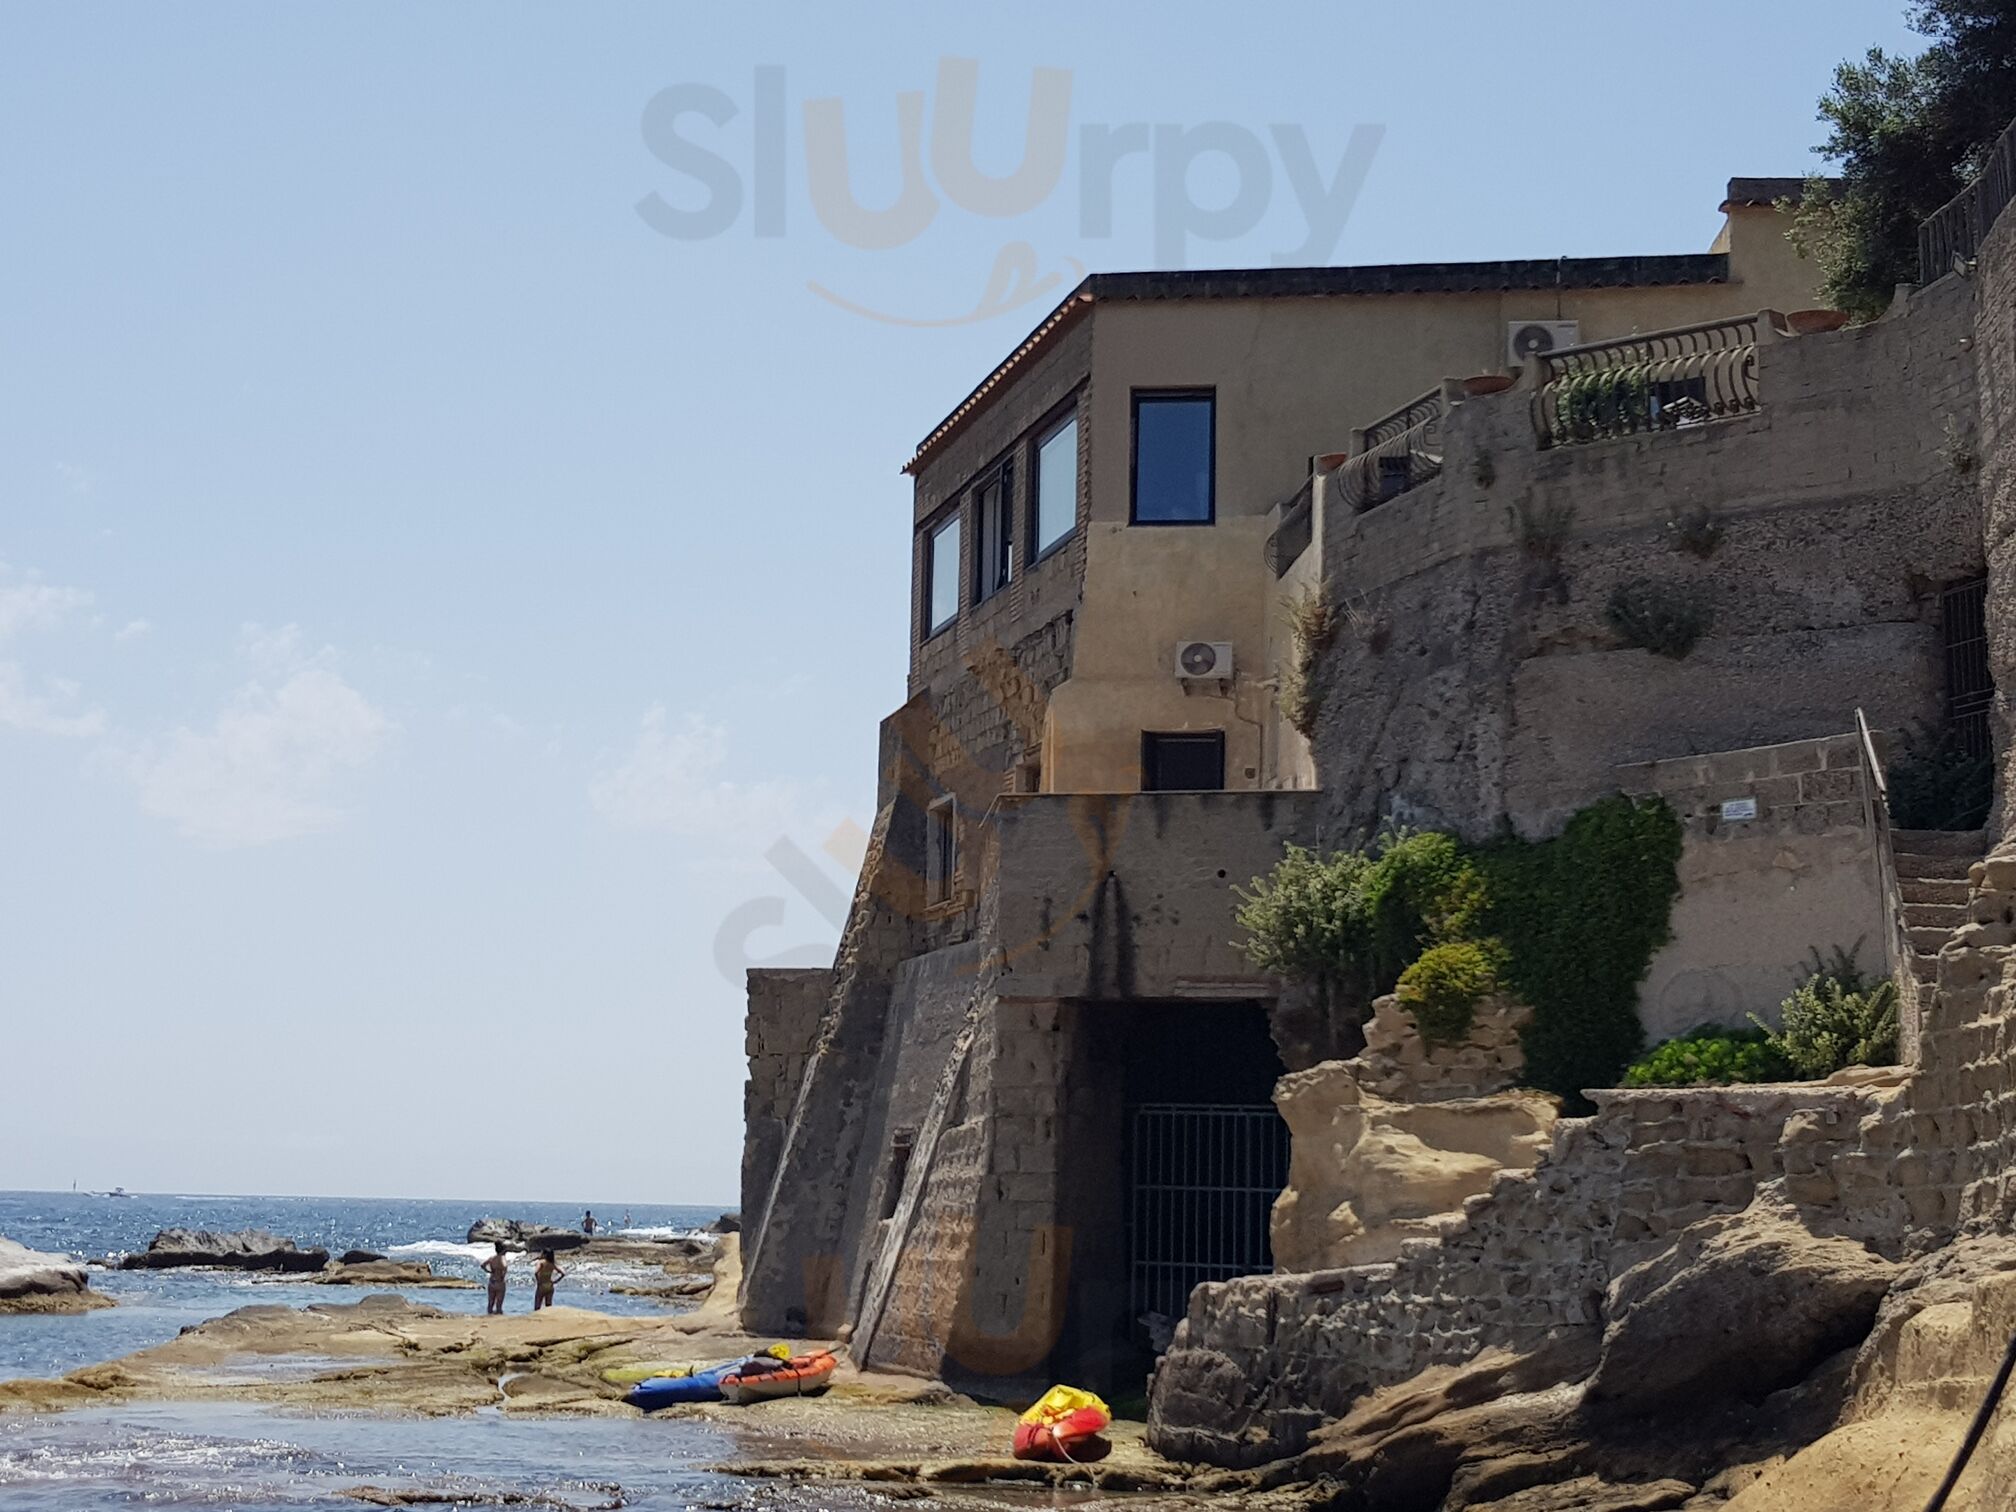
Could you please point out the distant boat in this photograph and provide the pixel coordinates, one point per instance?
(118, 1192)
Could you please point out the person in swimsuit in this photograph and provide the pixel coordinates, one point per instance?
(588, 1224)
(543, 1277)
(496, 1266)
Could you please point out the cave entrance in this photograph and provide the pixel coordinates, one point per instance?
(1178, 1157)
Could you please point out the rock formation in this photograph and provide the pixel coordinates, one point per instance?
(34, 1282)
(242, 1249)
(521, 1234)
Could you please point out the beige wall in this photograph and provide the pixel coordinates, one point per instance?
(1294, 377)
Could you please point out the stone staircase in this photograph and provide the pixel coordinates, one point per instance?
(1932, 870)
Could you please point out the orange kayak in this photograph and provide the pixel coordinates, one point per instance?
(761, 1380)
(1064, 1425)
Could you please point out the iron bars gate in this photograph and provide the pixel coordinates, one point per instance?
(1202, 1189)
(1970, 690)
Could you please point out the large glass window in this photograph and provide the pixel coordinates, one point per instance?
(1056, 485)
(1174, 444)
(941, 576)
(994, 547)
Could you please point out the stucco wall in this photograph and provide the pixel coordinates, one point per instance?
(1756, 895)
(1131, 896)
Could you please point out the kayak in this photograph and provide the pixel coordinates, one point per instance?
(702, 1385)
(1064, 1424)
(762, 1380)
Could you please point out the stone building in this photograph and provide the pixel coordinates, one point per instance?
(1029, 1108)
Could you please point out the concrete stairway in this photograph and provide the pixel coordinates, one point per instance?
(1932, 877)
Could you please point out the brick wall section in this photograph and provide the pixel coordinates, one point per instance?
(1804, 786)
(785, 1007)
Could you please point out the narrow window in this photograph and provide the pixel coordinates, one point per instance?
(941, 577)
(994, 556)
(941, 850)
(1175, 442)
(1056, 485)
(1185, 763)
(902, 1143)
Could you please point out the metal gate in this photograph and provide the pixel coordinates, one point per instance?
(1203, 1183)
(1963, 611)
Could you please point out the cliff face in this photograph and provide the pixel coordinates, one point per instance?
(1689, 1286)
(1480, 676)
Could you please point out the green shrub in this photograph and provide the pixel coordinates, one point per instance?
(1666, 619)
(1444, 986)
(1937, 784)
(1567, 925)
(1309, 920)
(1827, 1025)
(1611, 402)
(1580, 916)
(1711, 1056)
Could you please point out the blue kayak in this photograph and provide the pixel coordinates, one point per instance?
(667, 1391)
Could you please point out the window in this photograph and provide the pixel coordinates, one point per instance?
(1175, 444)
(941, 850)
(1056, 510)
(994, 547)
(1183, 763)
(941, 576)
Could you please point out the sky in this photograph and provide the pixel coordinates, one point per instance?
(453, 554)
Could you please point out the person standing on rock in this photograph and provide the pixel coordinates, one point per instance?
(543, 1277)
(496, 1266)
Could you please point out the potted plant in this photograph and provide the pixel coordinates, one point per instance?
(1487, 383)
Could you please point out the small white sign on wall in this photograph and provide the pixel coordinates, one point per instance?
(1739, 808)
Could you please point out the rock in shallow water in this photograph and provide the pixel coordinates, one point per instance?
(34, 1282)
(242, 1249)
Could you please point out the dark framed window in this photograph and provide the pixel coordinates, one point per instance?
(1190, 762)
(1054, 510)
(994, 546)
(941, 575)
(941, 850)
(1175, 457)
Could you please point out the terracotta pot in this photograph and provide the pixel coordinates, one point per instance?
(1486, 383)
(1331, 461)
(1815, 322)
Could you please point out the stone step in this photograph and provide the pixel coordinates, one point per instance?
(1933, 889)
(1929, 940)
(1946, 916)
(1970, 843)
(1925, 967)
(1916, 867)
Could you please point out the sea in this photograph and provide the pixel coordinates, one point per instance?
(254, 1458)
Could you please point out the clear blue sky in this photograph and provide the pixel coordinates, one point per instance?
(430, 590)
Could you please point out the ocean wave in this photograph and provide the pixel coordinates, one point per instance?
(449, 1248)
(664, 1231)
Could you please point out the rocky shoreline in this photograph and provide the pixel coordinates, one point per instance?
(34, 1282)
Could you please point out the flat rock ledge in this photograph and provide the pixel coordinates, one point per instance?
(34, 1282)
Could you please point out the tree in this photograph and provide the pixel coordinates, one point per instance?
(1908, 134)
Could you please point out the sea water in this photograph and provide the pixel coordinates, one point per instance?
(253, 1457)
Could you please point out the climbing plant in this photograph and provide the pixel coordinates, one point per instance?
(1567, 924)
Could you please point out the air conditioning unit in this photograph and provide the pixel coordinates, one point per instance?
(1523, 338)
(1198, 660)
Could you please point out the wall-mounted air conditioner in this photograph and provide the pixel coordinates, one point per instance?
(1524, 338)
(1203, 659)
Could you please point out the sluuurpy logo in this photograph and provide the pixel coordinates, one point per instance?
(736, 159)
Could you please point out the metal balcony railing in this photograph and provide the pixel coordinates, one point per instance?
(1662, 380)
(1403, 450)
(1955, 231)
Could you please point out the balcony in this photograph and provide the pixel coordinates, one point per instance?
(1660, 381)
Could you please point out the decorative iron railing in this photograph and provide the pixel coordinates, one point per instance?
(1401, 451)
(1662, 380)
(1297, 529)
(1955, 231)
